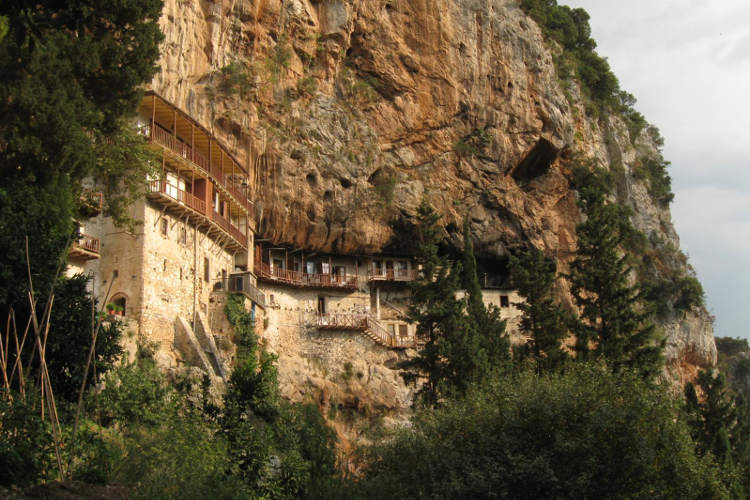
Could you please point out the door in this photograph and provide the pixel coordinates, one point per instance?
(321, 305)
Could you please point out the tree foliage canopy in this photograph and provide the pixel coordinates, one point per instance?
(70, 73)
(585, 434)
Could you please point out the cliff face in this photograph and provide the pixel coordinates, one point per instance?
(351, 112)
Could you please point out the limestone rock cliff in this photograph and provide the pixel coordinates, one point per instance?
(349, 112)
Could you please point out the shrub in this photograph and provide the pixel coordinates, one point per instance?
(307, 85)
(654, 170)
(584, 434)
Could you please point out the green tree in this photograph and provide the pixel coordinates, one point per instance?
(487, 346)
(465, 343)
(586, 433)
(544, 320)
(70, 335)
(69, 73)
(614, 324)
(435, 310)
(281, 450)
(720, 425)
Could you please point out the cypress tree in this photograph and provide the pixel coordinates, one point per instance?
(435, 310)
(487, 342)
(464, 343)
(544, 320)
(614, 324)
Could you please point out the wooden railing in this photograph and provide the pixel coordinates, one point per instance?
(87, 243)
(244, 283)
(227, 226)
(298, 278)
(366, 324)
(183, 197)
(392, 275)
(177, 194)
(165, 138)
(342, 321)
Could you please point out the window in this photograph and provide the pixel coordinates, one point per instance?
(403, 331)
(278, 264)
(164, 224)
(183, 236)
(401, 270)
(206, 269)
(504, 301)
(392, 328)
(121, 302)
(164, 265)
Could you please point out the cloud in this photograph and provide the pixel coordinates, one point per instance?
(688, 64)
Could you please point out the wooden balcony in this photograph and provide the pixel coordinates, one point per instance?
(244, 283)
(184, 203)
(392, 275)
(300, 279)
(204, 155)
(86, 247)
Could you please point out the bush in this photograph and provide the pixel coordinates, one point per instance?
(585, 434)
(25, 443)
(654, 170)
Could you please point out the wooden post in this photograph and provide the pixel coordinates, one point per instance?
(192, 142)
(174, 123)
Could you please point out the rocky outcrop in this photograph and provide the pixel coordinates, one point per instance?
(350, 113)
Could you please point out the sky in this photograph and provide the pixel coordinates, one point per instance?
(688, 64)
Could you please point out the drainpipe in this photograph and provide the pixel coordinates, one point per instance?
(195, 270)
(377, 303)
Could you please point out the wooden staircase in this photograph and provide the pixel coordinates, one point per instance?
(367, 325)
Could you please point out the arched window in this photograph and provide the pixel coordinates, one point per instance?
(120, 301)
